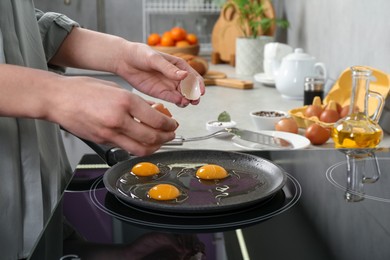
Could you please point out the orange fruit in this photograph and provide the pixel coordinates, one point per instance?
(192, 38)
(178, 33)
(182, 44)
(167, 41)
(167, 33)
(154, 39)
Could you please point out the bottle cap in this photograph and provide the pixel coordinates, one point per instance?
(314, 84)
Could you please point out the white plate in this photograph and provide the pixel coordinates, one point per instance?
(298, 141)
(264, 79)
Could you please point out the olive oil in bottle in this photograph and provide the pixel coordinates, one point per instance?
(358, 129)
(356, 132)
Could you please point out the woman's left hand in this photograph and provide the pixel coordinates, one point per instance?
(156, 74)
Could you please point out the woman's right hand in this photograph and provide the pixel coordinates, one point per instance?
(102, 112)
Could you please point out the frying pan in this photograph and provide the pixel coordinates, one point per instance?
(254, 179)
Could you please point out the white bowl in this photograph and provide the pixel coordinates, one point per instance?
(213, 126)
(265, 119)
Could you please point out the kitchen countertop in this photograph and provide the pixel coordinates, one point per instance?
(238, 103)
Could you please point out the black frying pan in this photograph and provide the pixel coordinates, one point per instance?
(255, 180)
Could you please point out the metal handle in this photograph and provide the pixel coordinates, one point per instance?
(179, 140)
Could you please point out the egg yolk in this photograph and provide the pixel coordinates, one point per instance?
(164, 192)
(211, 172)
(145, 169)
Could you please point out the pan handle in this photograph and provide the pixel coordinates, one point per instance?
(111, 155)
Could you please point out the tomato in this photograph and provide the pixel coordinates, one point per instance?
(317, 134)
(287, 125)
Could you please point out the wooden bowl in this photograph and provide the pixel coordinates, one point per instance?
(191, 49)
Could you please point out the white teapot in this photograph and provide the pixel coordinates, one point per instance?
(291, 72)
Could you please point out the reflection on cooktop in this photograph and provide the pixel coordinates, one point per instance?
(204, 222)
(355, 186)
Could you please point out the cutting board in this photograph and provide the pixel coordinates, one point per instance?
(226, 30)
(216, 78)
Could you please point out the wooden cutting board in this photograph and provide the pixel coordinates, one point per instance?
(216, 78)
(226, 30)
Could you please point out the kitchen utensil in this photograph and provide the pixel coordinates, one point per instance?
(216, 78)
(205, 222)
(261, 138)
(252, 180)
(298, 141)
(247, 135)
(291, 72)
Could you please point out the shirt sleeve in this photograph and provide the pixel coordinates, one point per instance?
(54, 27)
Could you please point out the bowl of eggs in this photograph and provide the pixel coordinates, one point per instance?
(318, 113)
(266, 119)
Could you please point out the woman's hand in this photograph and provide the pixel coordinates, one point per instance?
(151, 72)
(102, 112)
(154, 73)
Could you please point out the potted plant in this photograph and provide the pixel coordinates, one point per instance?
(255, 24)
(256, 17)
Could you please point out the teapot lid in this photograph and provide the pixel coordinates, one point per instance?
(298, 55)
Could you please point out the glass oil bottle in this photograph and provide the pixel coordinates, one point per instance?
(358, 129)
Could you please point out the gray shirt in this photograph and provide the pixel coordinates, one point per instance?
(34, 168)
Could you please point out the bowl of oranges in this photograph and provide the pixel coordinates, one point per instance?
(176, 40)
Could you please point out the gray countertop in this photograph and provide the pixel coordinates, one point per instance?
(238, 103)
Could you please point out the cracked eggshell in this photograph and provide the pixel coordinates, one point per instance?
(190, 87)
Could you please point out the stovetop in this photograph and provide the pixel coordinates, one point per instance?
(312, 217)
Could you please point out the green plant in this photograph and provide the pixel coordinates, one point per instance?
(253, 16)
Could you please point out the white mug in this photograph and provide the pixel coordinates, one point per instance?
(274, 51)
(268, 68)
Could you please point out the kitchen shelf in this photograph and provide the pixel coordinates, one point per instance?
(179, 7)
